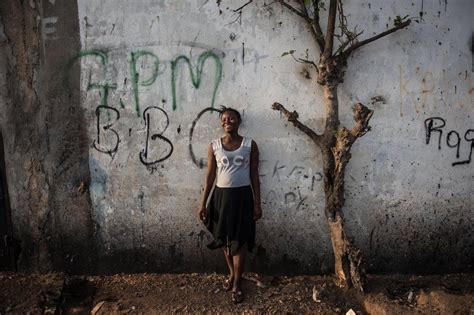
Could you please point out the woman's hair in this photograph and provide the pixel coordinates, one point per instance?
(229, 109)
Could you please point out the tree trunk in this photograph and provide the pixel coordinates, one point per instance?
(335, 149)
(347, 257)
(335, 144)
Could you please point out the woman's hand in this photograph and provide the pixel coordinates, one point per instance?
(257, 212)
(202, 214)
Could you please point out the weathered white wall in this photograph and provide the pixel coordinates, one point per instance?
(407, 205)
(397, 185)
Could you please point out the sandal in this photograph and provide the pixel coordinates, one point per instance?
(237, 297)
(228, 284)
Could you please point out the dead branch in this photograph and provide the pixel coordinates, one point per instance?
(353, 47)
(293, 118)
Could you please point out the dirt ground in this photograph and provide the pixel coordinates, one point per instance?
(203, 293)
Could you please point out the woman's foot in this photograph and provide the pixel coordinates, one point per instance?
(237, 297)
(228, 284)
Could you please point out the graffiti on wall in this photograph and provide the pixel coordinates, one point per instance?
(154, 118)
(435, 128)
(157, 135)
(424, 91)
(196, 75)
(135, 75)
(201, 162)
(105, 133)
(302, 181)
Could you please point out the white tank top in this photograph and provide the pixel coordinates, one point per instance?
(233, 167)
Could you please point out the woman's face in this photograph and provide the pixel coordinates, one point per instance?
(230, 122)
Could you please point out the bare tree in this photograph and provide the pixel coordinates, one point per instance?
(336, 141)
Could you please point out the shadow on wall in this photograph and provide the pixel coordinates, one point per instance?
(47, 138)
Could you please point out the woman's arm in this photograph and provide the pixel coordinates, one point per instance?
(255, 179)
(209, 181)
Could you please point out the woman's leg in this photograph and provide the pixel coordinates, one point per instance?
(230, 263)
(239, 265)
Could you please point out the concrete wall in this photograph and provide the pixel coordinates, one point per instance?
(148, 69)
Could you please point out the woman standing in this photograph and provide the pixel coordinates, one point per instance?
(235, 203)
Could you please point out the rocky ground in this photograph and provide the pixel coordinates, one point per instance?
(203, 293)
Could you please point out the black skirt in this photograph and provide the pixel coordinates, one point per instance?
(230, 219)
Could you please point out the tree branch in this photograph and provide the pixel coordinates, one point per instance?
(316, 20)
(362, 117)
(310, 62)
(301, 60)
(296, 11)
(349, 41)
(310, 22)
(293, 118)
(329, 40)
(353, 47)
(243, 6)
(350, 36)
(314, 25)
(345, 138)
(342, 150)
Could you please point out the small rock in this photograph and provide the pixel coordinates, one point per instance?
(97, 307)
(351, 312)
(316, 295)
